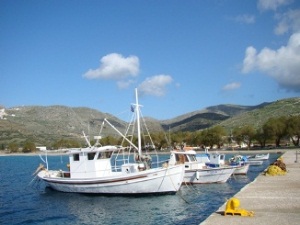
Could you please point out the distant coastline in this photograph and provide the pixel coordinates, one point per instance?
(238, 151)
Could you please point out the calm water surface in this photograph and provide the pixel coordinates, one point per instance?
(24, 203)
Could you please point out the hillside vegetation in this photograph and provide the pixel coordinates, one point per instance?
(46, 124)
(258, 116)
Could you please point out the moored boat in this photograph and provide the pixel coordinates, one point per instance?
(240, 161)
(216, 159)
(197, 172)
(255, 162)
(258, 157)
(91, 170)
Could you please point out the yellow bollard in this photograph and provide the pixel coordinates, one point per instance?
(232, 208)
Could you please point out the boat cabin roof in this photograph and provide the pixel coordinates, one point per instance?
(108, 148)
(188, 152)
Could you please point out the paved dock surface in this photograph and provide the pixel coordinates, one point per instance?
(274, 199)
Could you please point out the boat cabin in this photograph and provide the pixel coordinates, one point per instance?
(216, 160)
(92, 162)
(203, 157)
(188, 158)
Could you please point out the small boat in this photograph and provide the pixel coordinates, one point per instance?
(258, 157)
(197, 171)
(240, 161)
(255, 162)
(217, 159)
(242, 169)
(91, 170)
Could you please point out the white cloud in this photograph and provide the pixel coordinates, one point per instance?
(272, 4)
(288, 21)
(245, 18)
(249, 60)
(282, 64)
(231, 86)
(115, 66)
(155, 85)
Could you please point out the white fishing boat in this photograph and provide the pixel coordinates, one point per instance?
(216, 159)
(91, 170)
(242, 169)
(240, 161)
(258, 157)
(255, 162)
(197, 172)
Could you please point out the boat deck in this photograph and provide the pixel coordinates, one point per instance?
(273, 199)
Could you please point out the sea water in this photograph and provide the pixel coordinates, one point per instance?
(26, 202)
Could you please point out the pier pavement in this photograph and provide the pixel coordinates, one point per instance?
(273, 199)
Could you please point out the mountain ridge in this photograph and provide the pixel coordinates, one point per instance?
(48, 123)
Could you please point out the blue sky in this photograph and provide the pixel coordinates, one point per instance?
(182, 56)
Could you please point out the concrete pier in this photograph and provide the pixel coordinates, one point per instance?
(273, 199)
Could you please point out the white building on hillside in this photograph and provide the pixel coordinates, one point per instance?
(2, 113)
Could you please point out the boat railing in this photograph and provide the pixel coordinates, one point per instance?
(119, 158)
(117, 164)
(157, 163)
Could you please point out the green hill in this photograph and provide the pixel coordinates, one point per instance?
(46, 124)
(257, 117)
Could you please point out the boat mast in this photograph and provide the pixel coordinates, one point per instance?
(137, 111)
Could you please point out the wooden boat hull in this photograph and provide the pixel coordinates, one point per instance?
(211, 175)
(159, 180)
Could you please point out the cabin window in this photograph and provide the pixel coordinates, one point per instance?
(193, 158)
(76, 157)
(108, 154)
(91, 155)
(181, 158)
(104, 155)
(186, 158)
